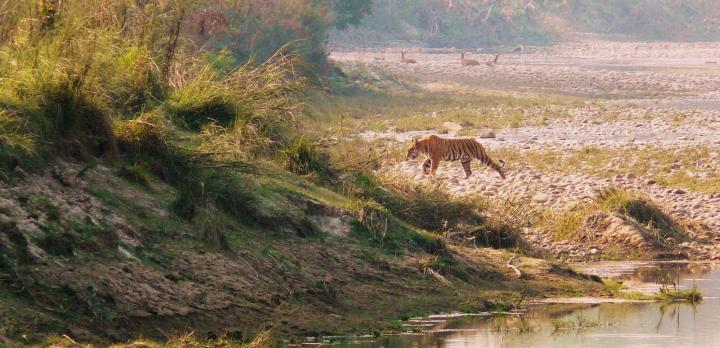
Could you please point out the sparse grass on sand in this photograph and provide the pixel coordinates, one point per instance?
(693, 168)
(424, 110)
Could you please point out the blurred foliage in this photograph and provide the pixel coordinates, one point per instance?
(473, 23)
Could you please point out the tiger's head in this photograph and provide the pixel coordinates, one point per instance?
(414, 149)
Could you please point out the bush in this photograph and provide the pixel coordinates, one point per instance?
(573, 223)
(380, 227)
(429, 208)
(16, 142)
(135, 173)
(302, 158)
(203, 100)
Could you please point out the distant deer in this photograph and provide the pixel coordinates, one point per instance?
(492, 63)
(468, 62)
(406, 60)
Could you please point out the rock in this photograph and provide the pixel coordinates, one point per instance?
(452, 127)
(679, 191)
(593, 251)
(487, 135)
(124, 252)
(631, 176)
(651, 182)
(541, 198)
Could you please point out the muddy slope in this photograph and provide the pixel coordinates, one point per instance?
(88, 254)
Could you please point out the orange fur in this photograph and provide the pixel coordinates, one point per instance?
(441, 149)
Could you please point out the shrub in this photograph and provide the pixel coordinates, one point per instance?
(573, 223)
(135, 173)
(202, 100)
(77, 121)
(15, 142)
(429, 208)
(302, 158)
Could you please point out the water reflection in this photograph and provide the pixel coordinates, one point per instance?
(592, 325)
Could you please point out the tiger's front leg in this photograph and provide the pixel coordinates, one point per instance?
(426, 166)
(466, 168)
(434, 166)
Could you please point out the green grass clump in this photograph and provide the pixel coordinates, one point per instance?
(580, 221)
(201, 101)
(692, 295)
(302, 158)
(135, 173)
(579, 323)
(380, 227)
(428, 208)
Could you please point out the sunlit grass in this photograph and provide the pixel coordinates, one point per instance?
(581, 221)
(424, 110)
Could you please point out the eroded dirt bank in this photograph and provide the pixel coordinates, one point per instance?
(124, 266)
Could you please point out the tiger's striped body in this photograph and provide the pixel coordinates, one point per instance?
(441, 149)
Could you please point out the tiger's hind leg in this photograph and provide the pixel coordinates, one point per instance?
(426, 166)
(466, 167)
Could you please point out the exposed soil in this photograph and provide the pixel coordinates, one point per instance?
(124, 266)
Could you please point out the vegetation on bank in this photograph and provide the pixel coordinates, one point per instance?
(581, 222)
(667, 293)
(145, 143)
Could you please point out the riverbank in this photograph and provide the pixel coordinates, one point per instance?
(630, 174)
(130, 267)
(589, 322)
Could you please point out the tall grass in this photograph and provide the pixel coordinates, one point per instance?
(123, 78)
(75, 69)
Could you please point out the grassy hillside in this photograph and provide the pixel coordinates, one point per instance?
(472, 24)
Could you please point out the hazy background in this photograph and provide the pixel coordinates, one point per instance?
(474, 23)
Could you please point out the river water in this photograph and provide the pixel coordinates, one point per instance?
(606, 325)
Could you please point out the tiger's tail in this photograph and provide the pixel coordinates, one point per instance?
(482, 155)
(496, 167)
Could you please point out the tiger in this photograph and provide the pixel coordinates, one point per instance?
(438, 149)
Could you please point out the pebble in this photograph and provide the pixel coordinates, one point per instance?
(541, 198)
(487, 135)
